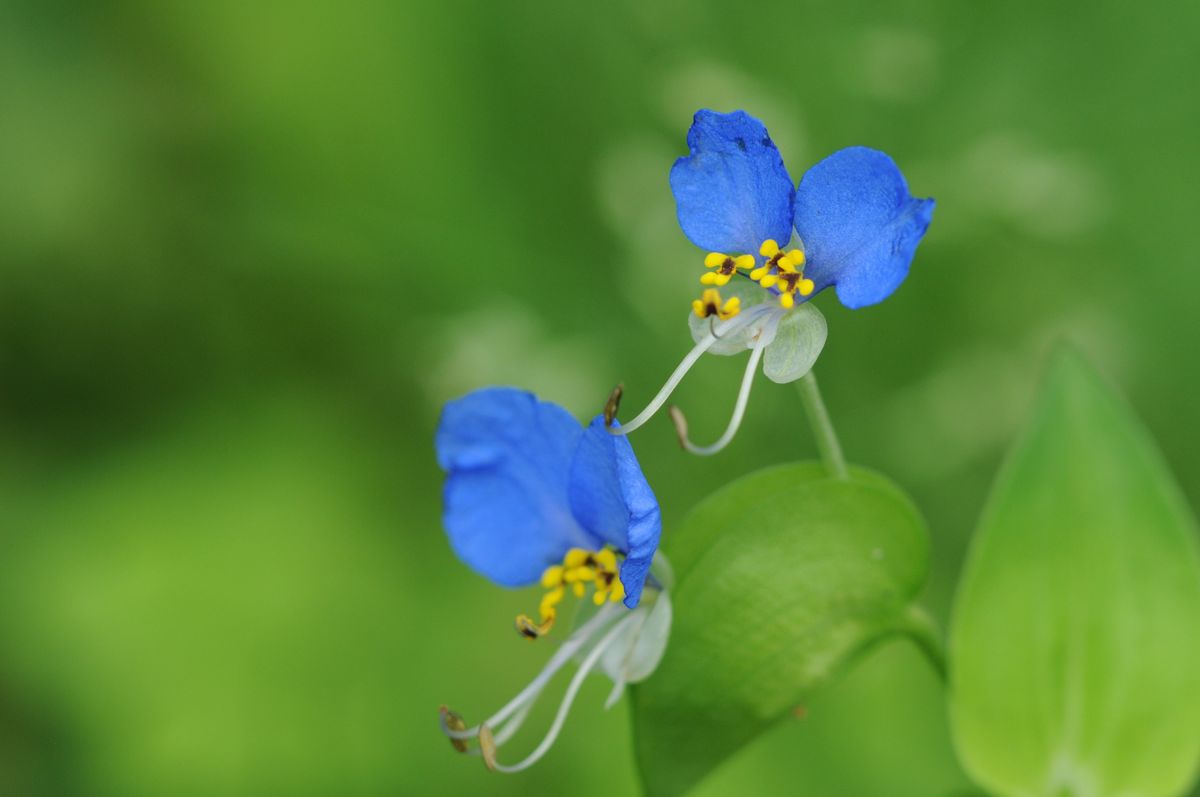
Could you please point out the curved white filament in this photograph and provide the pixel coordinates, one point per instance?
(569, 697)
(520, 704)
(685, 365)
(739, 408)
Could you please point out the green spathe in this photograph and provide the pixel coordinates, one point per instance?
(1075, 650)
(782, 577)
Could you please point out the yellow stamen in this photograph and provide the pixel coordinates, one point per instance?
(726, 266)
(783, 271)
(552, 577)
(606, 559)
(709, 304)
(578, 569)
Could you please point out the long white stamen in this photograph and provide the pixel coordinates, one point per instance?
(739, 408)
(685, 365)
(569, 697)
(513, 725)
(676, 377)
(527, 696)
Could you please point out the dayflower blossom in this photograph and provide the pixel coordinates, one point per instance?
(856, 229)
(531, 496)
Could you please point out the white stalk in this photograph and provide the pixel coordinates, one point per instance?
(572, 690)
(727, 327)
(739, 407)
(527, 696)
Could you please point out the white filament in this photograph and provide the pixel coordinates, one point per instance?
(572, 690)
(704, 344)
(525, 699)
(739, 407)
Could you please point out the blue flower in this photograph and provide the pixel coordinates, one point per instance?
(526, 484)
(857, 222)
(531, 495)
(858, 228)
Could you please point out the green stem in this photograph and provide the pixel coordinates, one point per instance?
(818, 417)
(922, 629)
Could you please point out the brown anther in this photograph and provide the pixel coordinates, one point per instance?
(613, 404)
(681, 427)
(453, 721)
(527, 628)
(789, 280)
(487, 746)
(727, 268)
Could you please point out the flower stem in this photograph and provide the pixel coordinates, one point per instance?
(818, 417)
(917, 624)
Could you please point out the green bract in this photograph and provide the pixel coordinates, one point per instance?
(1075, 646)
(781, 578)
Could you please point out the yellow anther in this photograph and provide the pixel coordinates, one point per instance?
(783, 271)
(709, 304)
(726, 266)
(769, 248)
(549, 601)
(715, 278)
(607, 559)
(579, 568)
(552, 577)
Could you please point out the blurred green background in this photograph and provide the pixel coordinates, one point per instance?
(247, 250)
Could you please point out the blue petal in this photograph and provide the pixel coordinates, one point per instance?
(505, 502)
(733, 192)
(859, 224)
(613, 501)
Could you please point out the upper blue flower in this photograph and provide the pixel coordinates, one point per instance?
(526, 483)
(858, 223)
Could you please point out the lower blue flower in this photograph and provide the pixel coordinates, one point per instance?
(526, 484)
(531, 495)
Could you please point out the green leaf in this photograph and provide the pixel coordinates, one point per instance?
(782, 577)
(797, 345)
(1076, 635)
